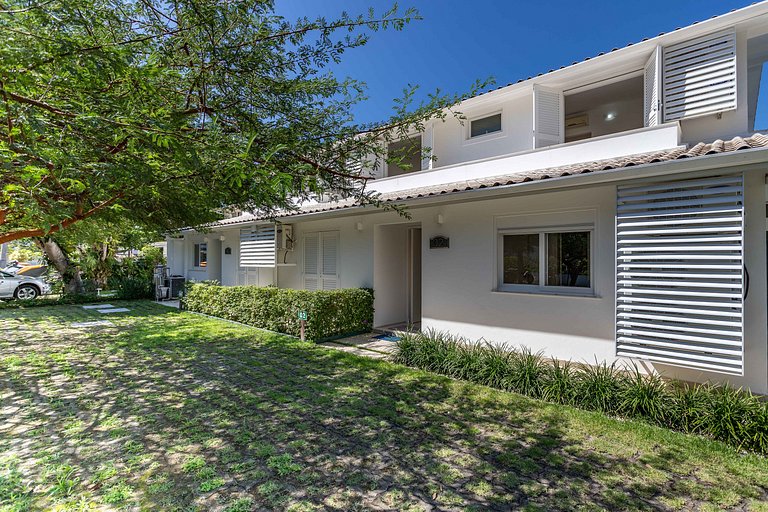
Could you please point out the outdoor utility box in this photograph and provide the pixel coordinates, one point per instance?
(176, 284)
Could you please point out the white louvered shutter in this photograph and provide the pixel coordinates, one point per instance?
(257, 246)
(329, 260)
(652, 88)
(548, 117)
(680, 274)
(311, 261)
(700, 76)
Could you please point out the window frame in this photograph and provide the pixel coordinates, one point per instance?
(486, 136)
(541, 287)
(388, 166)
(196, 251)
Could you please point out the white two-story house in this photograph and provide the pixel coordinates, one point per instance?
(613, 209)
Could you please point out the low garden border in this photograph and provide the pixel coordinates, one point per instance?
(720, 412)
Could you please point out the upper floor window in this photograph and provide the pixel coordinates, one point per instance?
(404, 156)
(485, 125)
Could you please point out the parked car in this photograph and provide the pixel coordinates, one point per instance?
(27, 269)
(21, 287)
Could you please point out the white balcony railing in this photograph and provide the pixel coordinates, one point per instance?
(642, 140)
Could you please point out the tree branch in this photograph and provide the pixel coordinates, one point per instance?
(36, 103)
(27, 233)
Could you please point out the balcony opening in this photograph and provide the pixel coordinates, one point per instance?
(603, 110)
(757, 83)
(404, 156)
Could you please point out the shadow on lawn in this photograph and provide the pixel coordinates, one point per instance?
(289, 424)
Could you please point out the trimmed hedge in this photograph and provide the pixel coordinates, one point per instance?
(720, 412)
(330, 313)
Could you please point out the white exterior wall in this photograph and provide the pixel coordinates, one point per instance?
(459, 282)
(452, 144)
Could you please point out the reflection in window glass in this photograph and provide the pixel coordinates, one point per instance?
(485, 125)
(568, 259)
(521, 259)
(201, 255)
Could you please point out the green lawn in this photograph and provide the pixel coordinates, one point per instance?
(173, 411)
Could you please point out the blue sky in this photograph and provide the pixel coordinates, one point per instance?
(458, 42)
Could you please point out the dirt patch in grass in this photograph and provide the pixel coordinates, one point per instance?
(172, 411)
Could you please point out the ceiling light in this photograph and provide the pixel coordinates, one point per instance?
(610, 116)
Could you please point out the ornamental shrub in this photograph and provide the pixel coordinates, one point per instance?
(330, 313)
(720, 412)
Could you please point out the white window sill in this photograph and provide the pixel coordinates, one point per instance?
(543, 293)
(469, 140)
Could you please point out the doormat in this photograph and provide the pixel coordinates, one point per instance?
(387, 337)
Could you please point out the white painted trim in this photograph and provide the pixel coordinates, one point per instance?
(542, 288)
(469, 140)
(641, 140)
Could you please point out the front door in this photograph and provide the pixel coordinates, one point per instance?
(414, 276)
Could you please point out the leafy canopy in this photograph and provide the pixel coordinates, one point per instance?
(165, 112)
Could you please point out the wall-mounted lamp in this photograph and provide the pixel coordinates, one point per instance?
(205, 239)
(222, 238)
(440, 219)
(359, 226)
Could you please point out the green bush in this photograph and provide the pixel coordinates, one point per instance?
(50, 300)
(720, 412)
(329, 312)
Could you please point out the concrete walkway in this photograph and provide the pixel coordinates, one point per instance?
(364, 345)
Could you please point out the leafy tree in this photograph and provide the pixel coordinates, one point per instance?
(166, 111)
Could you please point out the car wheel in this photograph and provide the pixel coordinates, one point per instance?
(26, 292)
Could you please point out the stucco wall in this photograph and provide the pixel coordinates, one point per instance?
(459, 282)
(452, 145)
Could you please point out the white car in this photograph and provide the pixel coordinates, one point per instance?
(22, 287)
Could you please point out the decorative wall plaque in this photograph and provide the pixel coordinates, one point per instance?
(227, 250)
(439, 242)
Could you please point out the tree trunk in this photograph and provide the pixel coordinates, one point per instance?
(70, 274)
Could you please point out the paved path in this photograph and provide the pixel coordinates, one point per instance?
(364, 345)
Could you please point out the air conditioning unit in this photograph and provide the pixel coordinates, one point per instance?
(284, 237)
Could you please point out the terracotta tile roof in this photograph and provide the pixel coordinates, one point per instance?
(757, 140)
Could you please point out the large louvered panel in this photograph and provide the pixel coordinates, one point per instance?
(548, 116)
(257, 246)
(679, 278)
(700, 76)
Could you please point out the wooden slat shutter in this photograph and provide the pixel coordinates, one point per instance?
(257, 246)
(329, 260)
(679, 280)
(311, 261)
(652, 89)
(700, 76)
(321, 253)
(548, 117)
